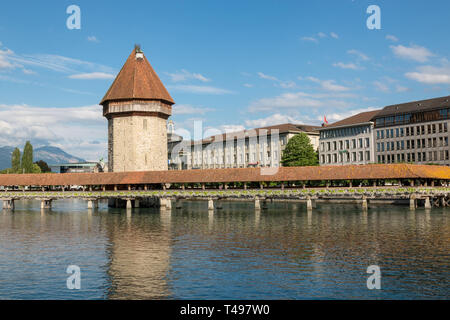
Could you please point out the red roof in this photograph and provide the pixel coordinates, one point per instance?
(357, 172)
(137, 80)
(362, 117)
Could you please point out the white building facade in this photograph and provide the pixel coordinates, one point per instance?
(260, 147)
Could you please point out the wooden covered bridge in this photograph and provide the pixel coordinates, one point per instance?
(427, 184)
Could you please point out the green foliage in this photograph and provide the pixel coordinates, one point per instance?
(27, 158)
(35, 169)
(15, 161)
(43, 166)
(299, 152)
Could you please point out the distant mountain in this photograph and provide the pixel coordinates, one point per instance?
(5, 157)
(51, 155)
(54, 155)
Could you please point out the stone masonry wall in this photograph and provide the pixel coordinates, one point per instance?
(137, 143)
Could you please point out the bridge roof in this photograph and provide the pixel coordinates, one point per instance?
(374, 171)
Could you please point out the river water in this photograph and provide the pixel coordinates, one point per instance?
(283, 252)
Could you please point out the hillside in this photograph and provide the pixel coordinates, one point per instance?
(51, 155)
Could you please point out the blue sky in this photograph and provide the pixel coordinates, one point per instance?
(230, 64)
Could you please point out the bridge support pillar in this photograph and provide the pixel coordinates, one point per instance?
(427, 203)
(46, 204)
(309, 204)
(365, 205)
(90, 204)
(210, 204)
(412, 203)
(257, 204)
(129, 205)
(169, 204)
(8, 204)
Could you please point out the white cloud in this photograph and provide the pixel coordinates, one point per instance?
(185, 75)
(310, 39)
(322, 35)
(267, 77)
(334, 35)
(200, 89)
(27, 71)
(359, 54)
(285, 100)
(381, 86)
(248, 85)
(431, 75)
(287, 84)
(300, 100)
(271, 120)
(72, 129)
(391, 38)
(227, 128)
(343, 65)
(179, 109)
(400, 88)
(415, 53)
(59, 63)
(342, 115)
(4, 61)
(329, 85)
(280, 83)
(93, 39)
(92, 76)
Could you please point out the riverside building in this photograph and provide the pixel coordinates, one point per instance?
(349, 141)
(414, 132)
(259, 147)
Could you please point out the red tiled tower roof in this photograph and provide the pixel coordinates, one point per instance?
(137, 81)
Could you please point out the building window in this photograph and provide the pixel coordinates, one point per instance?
(367, 155)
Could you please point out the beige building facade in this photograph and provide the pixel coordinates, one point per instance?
(349, 141)
(414, 132)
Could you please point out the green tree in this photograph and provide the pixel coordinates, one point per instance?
(15, 161)
(43, 165)
(27, 158)
(299, 152)
(36, 168)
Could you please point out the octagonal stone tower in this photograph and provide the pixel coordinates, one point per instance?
(137, 106)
